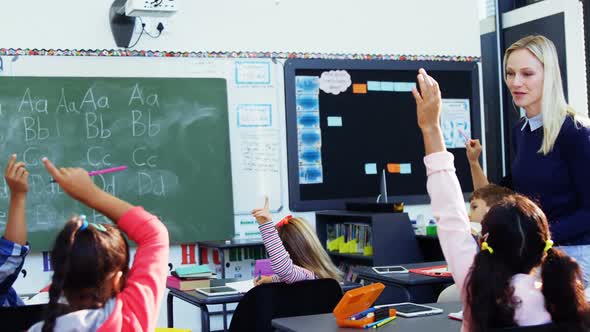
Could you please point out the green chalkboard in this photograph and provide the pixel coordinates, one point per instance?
(172, 133)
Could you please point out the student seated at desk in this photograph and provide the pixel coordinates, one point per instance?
(91, 263)
(498, 285)
(13, 245)
(294, 249)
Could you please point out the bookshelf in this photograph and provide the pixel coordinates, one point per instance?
(392, 237)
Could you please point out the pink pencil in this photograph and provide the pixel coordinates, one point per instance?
(107, 170)
(463, 134)
(104, 171)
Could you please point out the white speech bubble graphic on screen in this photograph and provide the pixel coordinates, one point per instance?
(335, 81)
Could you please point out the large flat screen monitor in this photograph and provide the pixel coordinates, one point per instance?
(352, 123)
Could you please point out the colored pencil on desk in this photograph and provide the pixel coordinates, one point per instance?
(368, 326)
(384, 321)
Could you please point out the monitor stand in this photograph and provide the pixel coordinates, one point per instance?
(381, 204)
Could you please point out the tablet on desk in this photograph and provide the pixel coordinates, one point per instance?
(408, 309)
(390, 269)
(217, 291)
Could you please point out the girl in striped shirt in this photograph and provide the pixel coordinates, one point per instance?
(294, 249)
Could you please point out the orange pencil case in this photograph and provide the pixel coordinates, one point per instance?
(355, 301)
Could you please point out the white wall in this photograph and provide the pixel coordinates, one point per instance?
(428, 27)
(377, 26)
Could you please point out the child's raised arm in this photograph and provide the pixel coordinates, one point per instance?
(138, 303)
(16, 176)
(281, 262)
(77, 183)
(473, 150)
(446, 198)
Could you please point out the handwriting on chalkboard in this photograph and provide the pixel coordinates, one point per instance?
(172, 133)
(44, 121)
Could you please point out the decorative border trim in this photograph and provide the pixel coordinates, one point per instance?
(240, 55)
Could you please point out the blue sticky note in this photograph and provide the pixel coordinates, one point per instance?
(373, 85)
(371, 168)
(387, 86)
(334, 121)
(405, 168)
(403, 86)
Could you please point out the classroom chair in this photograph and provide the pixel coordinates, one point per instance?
(265, 302)
(16, 319)
(449, 294)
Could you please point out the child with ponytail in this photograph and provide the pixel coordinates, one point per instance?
(294, 249)
(498, 284)
(91, 264)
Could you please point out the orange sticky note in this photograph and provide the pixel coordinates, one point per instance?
(359, 88)
(393, 168)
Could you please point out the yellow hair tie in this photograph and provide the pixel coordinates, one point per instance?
(486, 246)
(548, 245)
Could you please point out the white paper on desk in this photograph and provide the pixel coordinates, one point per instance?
(439, 270)
(39, 298)
(456, 315)
(242, 286)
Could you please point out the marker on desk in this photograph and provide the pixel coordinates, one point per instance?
(103, 171)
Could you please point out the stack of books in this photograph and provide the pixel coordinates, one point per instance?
(189, 277)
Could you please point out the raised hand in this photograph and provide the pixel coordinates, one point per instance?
(474, 148)
(428, 102)
(16, 176)
(262, 215)
(428, 108)
(75, 181)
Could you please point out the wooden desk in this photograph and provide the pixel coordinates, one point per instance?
(327, 322)
(202, 301)
(414, 287)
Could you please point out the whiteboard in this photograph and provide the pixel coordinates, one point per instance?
(253, 86)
